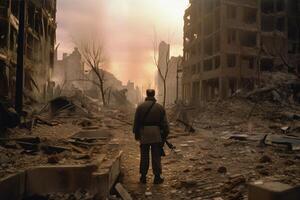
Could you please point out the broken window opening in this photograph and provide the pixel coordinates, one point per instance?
(217, 20)
(231, 12)
(217, 62)
(266, 64)
(199, 49)
(193, 69)
(196, 91)
(199, 67)
(4, 3)
(292, 47)
(247, 84)
(292, 26)
(267, 6)
(208, 46)
(231, 60)
(280, 6)
(267, 23)
(248, 38)
(208, 65)
(3, 8)
(249, 15)
(248, 61)
(280, 24)
(208, 25)
(193, 51)
(217, 43)
(231, 36)
(208, 6)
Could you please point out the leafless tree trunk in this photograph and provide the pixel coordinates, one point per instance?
(162, 75)
(93, 55)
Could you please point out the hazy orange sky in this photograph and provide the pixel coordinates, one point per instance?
(127, 28)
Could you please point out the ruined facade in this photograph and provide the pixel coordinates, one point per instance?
(40, 35)
(69, 71)
(228, 43)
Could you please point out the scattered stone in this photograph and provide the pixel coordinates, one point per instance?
(222, 170)
(85, 123)
(207, 169)
(265, 159)
(184, 145)
(4, 159)
(289, 162)
(148, 194)
(259, 166)
(264, 172)
(188, 183)
(53, 159)
(173, 191)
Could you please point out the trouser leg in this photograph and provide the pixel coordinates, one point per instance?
(144, 161)
(156, 159)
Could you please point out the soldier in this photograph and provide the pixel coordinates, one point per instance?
(151, 130)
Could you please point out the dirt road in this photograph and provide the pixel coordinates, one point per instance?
(208, 165)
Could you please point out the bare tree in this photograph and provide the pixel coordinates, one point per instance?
(163, 74)
(92, 52)
(277, 48)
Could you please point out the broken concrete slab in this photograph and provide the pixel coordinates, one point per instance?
(92, 134)
(122, 192)
(97, 179)
(52, 179)
(273, 191)
(293, 143)
(106, 176)
(13, 187)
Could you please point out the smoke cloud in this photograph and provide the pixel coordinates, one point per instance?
(127, 28)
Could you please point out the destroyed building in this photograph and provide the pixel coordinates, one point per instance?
(133, 93)
(69, 71)
(40, 35)
(229, 43)
(171, 66)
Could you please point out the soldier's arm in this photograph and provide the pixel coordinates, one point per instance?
(136, 125)
(165, 125)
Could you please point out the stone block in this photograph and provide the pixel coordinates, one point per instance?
(52, 179)
(13, 187)
(273, 191)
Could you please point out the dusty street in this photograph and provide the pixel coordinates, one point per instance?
(208, 165)
(214, 162)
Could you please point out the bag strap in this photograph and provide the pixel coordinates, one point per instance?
(147, 113)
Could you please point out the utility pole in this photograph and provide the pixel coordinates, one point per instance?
(177, 78)
(20, 58)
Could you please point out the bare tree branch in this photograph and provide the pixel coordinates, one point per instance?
(91, 49)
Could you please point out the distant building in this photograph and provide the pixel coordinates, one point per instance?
(228, 43)
(173, 80)
(163, 58)
(69, 71)
(39, 47)
(133, 93)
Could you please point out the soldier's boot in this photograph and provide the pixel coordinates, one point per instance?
(158, 180)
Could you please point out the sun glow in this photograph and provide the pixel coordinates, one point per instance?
(128, 29)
